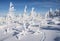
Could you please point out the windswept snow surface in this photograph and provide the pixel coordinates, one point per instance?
(30, 28)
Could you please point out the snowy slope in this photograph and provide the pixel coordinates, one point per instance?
(33, 27)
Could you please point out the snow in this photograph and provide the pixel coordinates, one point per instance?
(33, 27)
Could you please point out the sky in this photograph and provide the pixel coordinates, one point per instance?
(41, 6)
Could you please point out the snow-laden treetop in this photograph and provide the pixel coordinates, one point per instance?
(33, 15)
